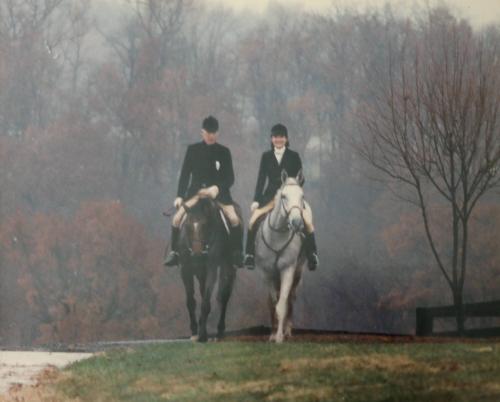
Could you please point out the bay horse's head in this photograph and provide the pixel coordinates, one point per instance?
(198, 228)
(291, 200)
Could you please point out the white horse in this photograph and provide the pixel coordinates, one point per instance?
(278, 253)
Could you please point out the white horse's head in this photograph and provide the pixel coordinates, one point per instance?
(291, 200)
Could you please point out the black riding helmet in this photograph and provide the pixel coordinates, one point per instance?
(210, 124)
(280, 130)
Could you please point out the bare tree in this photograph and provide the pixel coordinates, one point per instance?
(29, 72)
(161, 20)
(435, 128)
(72, 28)
(33, 36)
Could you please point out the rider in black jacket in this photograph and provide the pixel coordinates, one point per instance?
(207, 171)
(279, 158)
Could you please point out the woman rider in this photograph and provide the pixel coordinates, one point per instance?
(279, 158)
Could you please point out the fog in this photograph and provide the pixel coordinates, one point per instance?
(98, 102)
(479, 12)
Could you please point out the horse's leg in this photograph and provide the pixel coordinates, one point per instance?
(227, 275)
(188, 280)
(206, 300)
(274, 284)
(287, 276)
(291, 300)
(287, 330)
(272, 310)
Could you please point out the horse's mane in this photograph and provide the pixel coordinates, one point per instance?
(205, 206)
(207, 211)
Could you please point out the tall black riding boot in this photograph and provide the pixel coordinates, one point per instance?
(250, 249)
(236, 240)
(311, 251)
(173, 257)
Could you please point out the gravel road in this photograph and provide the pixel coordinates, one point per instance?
(18, 367)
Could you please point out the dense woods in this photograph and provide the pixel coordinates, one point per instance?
(98, 102)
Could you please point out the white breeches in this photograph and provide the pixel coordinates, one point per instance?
(228, 210)
(230, 213)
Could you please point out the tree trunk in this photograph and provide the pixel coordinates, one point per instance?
(459, 311)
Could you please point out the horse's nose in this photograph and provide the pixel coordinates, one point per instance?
(296, 224)
(197, 248)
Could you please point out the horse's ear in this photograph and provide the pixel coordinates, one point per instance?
(300, 177)
(284, 176)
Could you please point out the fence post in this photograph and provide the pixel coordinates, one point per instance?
(424, 322)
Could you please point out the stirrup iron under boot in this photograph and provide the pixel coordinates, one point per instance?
(173, 257)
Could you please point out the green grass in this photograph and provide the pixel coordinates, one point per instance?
(238, 371)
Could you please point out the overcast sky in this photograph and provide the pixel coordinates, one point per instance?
(479, 12)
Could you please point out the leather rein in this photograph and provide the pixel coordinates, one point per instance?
(205, 246)
(278, 253)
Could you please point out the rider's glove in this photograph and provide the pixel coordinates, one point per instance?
(254, 206)
(178, 202)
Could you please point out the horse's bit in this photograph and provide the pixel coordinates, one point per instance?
(280, 252)
(287, 213)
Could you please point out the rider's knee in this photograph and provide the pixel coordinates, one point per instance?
(308, 218)
(231, 215)
(178, 218)
(308, 227)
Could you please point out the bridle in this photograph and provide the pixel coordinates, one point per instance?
(285, 228)
(279, 252)
(204, 246)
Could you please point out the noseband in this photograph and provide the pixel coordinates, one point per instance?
(196, 246)
(279, 252)
(287, 213)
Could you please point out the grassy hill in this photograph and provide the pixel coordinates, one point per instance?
(300, 371)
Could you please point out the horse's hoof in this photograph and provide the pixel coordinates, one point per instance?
(202, 339)
(279, 338)
(272, 338)
(194, 338)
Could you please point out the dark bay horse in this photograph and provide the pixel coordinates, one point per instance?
(204, 254)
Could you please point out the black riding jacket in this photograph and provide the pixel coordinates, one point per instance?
(204, 166)
(270, 171)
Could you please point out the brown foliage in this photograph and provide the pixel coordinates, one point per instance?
(90, 277)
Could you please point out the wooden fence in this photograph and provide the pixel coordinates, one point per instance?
(426, 315)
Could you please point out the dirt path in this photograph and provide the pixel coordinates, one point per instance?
(21, 367)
